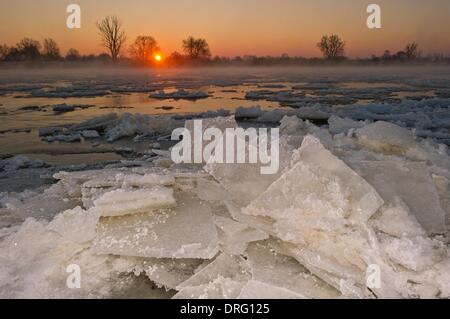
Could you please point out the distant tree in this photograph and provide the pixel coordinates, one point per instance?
(143, 49)
(29, 49)
(412, 51)
(112, 35)
(175, 58)
(103, 57)
(332, 47)
(51, 49)
(13, 54)
(196, 48)
(73, 55)
(386, 55)
(400, 55)
(4, 50)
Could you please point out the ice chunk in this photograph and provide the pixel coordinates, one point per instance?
(90, 134)
(274, 116)
(180, 95)
(129, 125)
(76, 225)
(210, 191)
(409, 181)
(225, 266)
(97, 123)
(148, 179)
(396, 220)
(186, 231)
(170, 272)
(281, 271)
(343, 125)
(418, 253)
(66, 138)
(389, 138)
(252, 112)
(45, 131)
(62, 108)
(20, 162)
(244, 182)
(234, 236)
(320, 190)
(125, 202)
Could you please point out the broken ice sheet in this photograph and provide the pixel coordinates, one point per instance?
(244, 182)
(225, 266)
(417, 253)
(76, 225)
(235, 236)
(270, 267)
(186, 231)
(409, 181)
(318, 192)
(389, 138)
(224, 277)
(124, 202)
(211, 191)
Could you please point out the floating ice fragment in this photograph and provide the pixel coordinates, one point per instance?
(248, 112)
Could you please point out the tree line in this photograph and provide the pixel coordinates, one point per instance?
(144, 50)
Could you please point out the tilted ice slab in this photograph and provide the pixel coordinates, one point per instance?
(412, 183)
(284, 272)
(186, 231)
(234, 236)
(329, 190)
(125, 202)
(222, 278)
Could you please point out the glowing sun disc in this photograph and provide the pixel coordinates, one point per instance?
(158, 57)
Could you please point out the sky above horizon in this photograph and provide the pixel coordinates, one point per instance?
(253, 27)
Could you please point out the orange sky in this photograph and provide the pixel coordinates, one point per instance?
(232, 27)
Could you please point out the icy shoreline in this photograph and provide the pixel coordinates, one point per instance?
(349, 195)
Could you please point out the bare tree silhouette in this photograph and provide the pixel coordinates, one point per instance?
(29, 49)
(412, 50)
(196, 48)
(51, 49)
(73, 55)
(332, 47)
(143, 49)
(112, 35)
